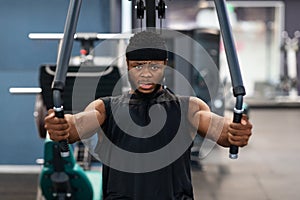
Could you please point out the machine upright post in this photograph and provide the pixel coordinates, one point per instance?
(62, 64)
(234, 67)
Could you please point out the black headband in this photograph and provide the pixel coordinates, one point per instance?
(147, 54)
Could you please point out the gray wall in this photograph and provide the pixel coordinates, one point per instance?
(20, 59)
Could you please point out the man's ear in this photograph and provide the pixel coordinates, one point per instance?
(127, 62)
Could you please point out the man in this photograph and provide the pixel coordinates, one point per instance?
(129, 121)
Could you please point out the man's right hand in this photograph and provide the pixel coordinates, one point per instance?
(58, 128)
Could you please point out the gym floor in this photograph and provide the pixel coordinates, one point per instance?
(267, 169)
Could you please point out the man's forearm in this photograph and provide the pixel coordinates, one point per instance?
(223, 138)
(73, 134)
(214, 127)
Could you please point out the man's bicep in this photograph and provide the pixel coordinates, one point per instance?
(196, 109)
(98, 107)
(198, 104)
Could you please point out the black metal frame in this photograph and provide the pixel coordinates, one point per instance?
(60, 179)
(234, 67)
(151, 9)
(62, 64)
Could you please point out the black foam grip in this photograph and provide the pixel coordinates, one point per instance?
(63, 144)
(234, 150)
(59, 114)
(237, 117)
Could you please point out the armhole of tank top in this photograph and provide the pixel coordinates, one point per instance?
(185, 101)
(106, 101)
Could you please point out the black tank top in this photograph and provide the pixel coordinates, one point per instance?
(172, 181)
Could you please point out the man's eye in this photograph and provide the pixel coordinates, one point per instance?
(138, 67)
(155, 67)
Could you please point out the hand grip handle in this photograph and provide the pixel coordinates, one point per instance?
(63, 144)
(237, 117)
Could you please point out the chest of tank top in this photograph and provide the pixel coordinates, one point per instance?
(140, 125)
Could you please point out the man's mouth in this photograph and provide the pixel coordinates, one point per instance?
(146, 85)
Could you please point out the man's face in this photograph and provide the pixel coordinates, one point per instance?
(145, 75)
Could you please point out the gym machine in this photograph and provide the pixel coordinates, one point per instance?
(61, 177)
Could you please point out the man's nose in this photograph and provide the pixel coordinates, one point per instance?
(146, 72)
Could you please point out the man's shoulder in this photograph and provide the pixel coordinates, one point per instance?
(109, 99)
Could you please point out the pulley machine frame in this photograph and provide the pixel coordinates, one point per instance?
(150, 7)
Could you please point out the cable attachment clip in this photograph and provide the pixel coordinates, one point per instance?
(140, 9)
